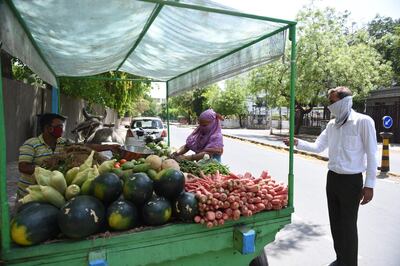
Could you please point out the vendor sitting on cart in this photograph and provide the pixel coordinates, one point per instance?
(205, 139)
(35, 151)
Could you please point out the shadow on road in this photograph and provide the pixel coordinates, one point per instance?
(293, 237)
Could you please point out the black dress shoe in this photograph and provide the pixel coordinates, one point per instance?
(335, 263)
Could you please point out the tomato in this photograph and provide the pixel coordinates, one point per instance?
(117, 165)
(122, 161)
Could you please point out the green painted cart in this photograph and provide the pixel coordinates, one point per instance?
(186, 44)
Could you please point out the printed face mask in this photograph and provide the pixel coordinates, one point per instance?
(57, 132)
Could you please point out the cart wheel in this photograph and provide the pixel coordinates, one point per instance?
(260, 260)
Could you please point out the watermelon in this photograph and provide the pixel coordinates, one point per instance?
(34, 223)
(185, 207)
(82, 216)
(156, 211)
(138, 188)
(169, 183)
(106, 187)
(122, 215)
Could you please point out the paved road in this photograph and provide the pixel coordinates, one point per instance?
(307, 240)
(264, 136)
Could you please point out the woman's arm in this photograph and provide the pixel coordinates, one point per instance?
(213, 151)
(181, 150)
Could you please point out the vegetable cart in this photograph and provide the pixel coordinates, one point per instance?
(187, 44)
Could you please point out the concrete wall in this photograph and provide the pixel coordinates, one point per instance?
(22, 104)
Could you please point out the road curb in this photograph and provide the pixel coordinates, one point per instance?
(317, 156)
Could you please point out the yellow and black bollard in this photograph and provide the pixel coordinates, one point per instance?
(385, 151)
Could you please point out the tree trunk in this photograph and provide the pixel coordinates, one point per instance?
(6, 65)
(298, 121)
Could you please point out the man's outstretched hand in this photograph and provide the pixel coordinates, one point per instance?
(287, 141)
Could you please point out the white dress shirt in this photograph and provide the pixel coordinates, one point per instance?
(352, 147)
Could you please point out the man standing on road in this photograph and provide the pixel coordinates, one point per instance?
(351, 140)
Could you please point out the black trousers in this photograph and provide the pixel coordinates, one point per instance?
(343, 194)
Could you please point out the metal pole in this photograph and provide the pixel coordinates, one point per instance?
(292, 38)
(5, 222)
(54, 100)
(167, 111)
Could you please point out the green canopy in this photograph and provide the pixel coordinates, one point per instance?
(189, 43)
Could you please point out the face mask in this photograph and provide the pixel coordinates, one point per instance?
(341, 109)
(57, 132)
(205, 129)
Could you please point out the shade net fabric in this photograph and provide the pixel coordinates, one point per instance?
(185, 46)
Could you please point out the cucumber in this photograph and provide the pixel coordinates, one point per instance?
(152, 173)
(127, 165)
(144, 167)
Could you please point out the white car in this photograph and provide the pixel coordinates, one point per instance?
(142, 128)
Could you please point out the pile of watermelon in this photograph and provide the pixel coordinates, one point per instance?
(149, 192)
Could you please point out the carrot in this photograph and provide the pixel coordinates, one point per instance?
(226, 204)
(260, 206)
(236, 215)
(197, 219)
(276, 201)
(221, 221)
(210, 215)
(218, 215)
(234, 205)
(210, 224)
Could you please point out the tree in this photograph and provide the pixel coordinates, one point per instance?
(327, 56)
(386, 39)
(122, 96)
(189, 104)
(230, 101)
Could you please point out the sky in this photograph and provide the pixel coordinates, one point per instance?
(361, 12)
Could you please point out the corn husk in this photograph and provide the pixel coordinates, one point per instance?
(88, 163)
(34, 194)
(86, 174)
(42, 176)
(72, 191)
(58, 181)
(52, 196)
(71, 174)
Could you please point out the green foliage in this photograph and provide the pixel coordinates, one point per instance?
(230, 101)
(327, 56)
(189, 104)
(23, 73)
(122, 96)
(385, 33)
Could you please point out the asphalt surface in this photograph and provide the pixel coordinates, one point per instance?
(274, 140)
(307, 240)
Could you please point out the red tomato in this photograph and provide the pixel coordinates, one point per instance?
(122, 161)
(117, 165)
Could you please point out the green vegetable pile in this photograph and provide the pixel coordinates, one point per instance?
(161, 148)
(209, 166)
(190, 167)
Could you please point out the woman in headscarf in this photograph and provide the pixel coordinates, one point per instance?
(205, 139)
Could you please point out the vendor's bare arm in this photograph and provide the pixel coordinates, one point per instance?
(213, 151)
(26, 168)
(181, 150)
